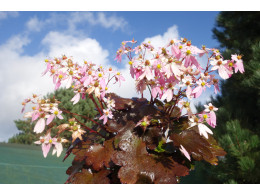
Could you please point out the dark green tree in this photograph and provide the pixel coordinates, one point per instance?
(238, 117)
(26, 134)
(83, 107)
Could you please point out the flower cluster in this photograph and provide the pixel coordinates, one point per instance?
(85, 79)
(176, 66)
(173, 74)
(107, 113)
(47, 142)
(45, 110)
(42, 109)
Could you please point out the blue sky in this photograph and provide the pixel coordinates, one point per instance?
(27, 38)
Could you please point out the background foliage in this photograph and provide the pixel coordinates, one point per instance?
(238, 117)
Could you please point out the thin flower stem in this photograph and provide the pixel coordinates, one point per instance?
(93, 100)
(100, 103)
(63, 110)
(110, 80)
(103, 103)
(171, 110)
(150, 94)
(89, 129)
(155, 98)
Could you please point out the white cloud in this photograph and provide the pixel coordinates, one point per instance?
(79, 47)
(18, 80)
(5, 15)
(34, 24)
(99, 18)
(73, 19)
(161, 40)
(113, 22)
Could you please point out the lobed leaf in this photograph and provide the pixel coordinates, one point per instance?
(199, 147)
(99, 156)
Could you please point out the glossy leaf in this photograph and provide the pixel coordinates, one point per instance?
(99, 156)
(199, 147)
(137, 164)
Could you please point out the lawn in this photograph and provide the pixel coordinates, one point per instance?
(23, 164)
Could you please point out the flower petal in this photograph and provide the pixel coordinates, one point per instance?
(45, 149)
(50, 119)
(184, 151)
(40, 125)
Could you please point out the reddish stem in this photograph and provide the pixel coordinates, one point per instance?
(110, 80)
(100, 103)
(93, 100)
(86, 127)
(81, 116)
(171, 109)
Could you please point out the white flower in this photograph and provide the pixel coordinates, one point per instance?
(203, 129)
(58, 148)
(210, 108)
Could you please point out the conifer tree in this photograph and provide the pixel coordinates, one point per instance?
(238, 126)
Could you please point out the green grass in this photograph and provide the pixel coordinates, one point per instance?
(23, 164)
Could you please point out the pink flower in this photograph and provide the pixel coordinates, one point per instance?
(175, 68)
(187, 81)
(71, 74)
(46, 142)
(203, 129)
(119, 55)
(239, 63)
(119, 77)
(58, 148)
(190, 59)
(107, 114)
(155, 88)
(215, 83)
(212, 116)
(168, 93)
(219, 65)
(36, 113)
(88, 78)
(201, 87)
(55, 113)
(24, 104)
(203, 51)
(147, 73)
(49, 66)
(60, 76)
(40, 125)
(176, 51)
